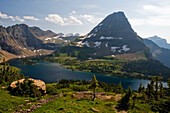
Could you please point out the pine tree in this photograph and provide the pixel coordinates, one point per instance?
(143, 89)
(161, 92)
(152, 85)
(129, 91)
(157, 87)
(126, 102)
(94, 85)
(149, 91)
(140, 88)
(168, 86)
(168, 82)
(120, 88)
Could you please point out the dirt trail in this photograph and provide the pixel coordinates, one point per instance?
(99, 95)
(35, 106)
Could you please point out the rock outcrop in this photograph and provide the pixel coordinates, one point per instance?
(40, 84)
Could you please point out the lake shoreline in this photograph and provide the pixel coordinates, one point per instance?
(77, 70)
(53, 72)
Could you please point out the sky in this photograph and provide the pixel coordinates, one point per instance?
(147, 17)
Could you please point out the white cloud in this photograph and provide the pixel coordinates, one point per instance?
(19, 19)
(71, 20)
(74, 12)
(1, 22)
(153, 15)
(30, 18)
(5, 16)
(74, 21)
(12, 18)
(55, 18)
(156, 10)
(91, 18)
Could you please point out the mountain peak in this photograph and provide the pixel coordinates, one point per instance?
(114, 24)
(19, 25)
(155, 37)
(118, 13)
(113, 36)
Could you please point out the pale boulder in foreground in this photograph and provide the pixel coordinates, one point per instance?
(39, 83)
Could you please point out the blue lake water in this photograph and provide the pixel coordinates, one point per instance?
(53, 72)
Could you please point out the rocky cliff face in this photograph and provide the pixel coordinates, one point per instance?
(114, 36)
(20, 39)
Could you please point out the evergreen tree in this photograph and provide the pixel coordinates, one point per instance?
(149, 91)
(161, 92)
(168, 82)
(140, 88)
(94, 85)
(126, 101)
(168, 86)
(129, 91)
(8, 74)
(156, 87)
(143, 89)
(120, 88)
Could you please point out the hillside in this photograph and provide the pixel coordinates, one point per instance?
(76, 96)
(159, 53)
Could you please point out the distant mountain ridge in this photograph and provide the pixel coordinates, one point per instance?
(114, 36)
(22, 40)
(158, 53)
(160, 42)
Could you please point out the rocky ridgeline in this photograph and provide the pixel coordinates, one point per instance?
(22, 40)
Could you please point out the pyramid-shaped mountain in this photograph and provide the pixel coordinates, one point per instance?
(115, 36)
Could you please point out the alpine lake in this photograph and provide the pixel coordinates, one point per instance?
(53, 72)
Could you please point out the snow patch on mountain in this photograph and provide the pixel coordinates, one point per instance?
(97, 44)
(96, 29)
(106, 44)
(48, 39)
(125, 48)
(80, 44)
(90, 35)
(54, 38)
(86, 43)
(109, 38)
(100, 24)
(113, 49)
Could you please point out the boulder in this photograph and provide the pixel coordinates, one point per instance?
(40, 84)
